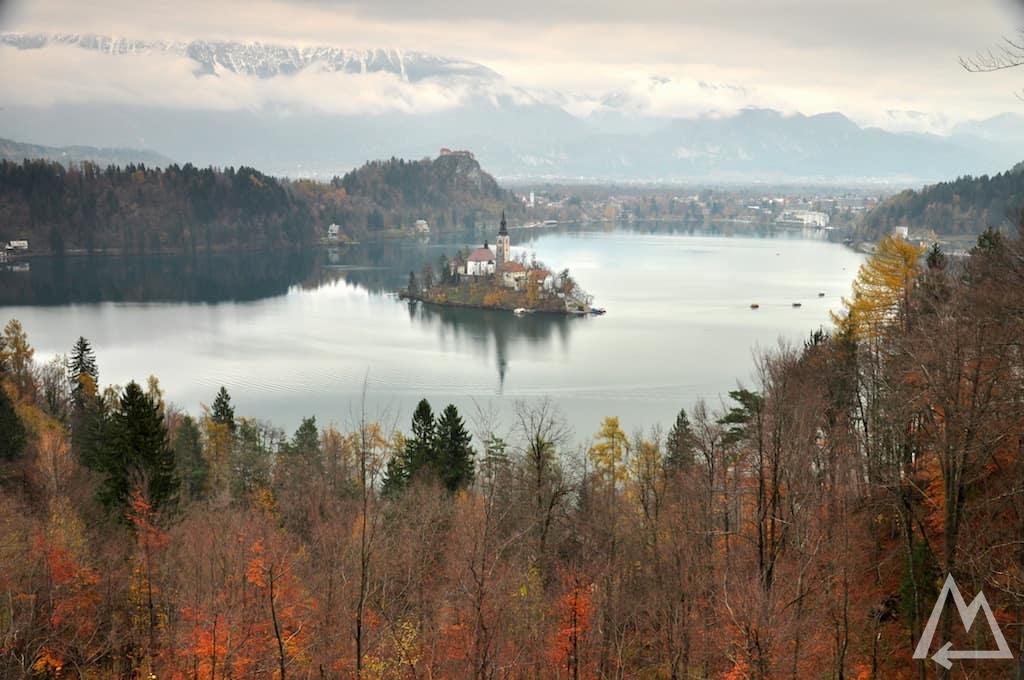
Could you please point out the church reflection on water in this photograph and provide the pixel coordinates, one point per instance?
(493, 331)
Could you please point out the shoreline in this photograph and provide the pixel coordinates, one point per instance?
(404, 295)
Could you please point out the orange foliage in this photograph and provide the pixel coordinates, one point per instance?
(575, 610)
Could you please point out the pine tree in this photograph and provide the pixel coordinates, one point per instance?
(82, 364)
(223, 411)
(12, 430)
(305, 442)
(136, 452)
(419, 452)
(188, 456)
(679, 444)
(454, 459)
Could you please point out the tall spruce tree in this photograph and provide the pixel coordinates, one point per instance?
(82, 363)
(454, 459)
(136, 452)
(419, 452)
(679, 444)
(223, 411)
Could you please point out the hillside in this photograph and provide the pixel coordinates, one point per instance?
(18, 151)
(965, 206)
(140, 209)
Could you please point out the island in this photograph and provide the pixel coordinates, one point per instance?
(493, 279)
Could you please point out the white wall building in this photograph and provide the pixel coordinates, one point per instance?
(481, 262)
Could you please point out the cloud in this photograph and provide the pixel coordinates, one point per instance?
(864, 58)
(62, 73)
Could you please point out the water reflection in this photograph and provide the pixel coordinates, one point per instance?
(501, 333)
(199, 279)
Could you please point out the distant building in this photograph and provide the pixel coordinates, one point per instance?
(17, 245)
(901, 232)
(457, 152)
(422, 227)
(481, 262)
(512, 275)
(333, 232)
(805, 218)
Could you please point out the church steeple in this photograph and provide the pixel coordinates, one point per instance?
(504, 244)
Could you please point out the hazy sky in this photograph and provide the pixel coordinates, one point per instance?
(871, 59)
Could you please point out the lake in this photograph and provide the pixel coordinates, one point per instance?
(299, 334)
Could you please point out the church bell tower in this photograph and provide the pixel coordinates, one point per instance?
(503, 255)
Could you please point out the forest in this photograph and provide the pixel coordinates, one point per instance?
(184, 209)
(965, 206)
(801, 530)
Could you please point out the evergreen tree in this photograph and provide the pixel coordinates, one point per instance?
(251, 459)
(90, 435)
(419, 450)
(305, 442)
(741, 420)
(188, 456)
(12, 430)
(223, 411)
(136, 451)
(82, 363)
(454, 457)
(679, 444)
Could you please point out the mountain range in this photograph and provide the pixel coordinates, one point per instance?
(306, 120)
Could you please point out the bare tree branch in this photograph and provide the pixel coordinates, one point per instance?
(1009, 54)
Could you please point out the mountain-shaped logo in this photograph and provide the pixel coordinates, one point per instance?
(946, 655)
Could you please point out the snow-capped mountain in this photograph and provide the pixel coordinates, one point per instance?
(297, 110)
(264, 60)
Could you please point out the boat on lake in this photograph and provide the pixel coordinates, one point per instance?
(755, 306)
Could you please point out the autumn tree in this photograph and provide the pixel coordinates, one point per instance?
(16, 357)
(543, 433)
(881, 291)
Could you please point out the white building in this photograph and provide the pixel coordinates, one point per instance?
(513, 274)
(807, 218)
(422, 227)
(481, 262)
(333, 231)
(901, 232)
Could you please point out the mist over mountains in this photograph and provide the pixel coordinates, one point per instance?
(319, 111)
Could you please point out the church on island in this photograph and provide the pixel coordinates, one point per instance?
(485, 262)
